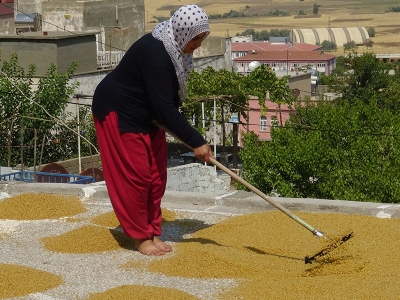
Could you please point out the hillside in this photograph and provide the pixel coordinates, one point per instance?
(339, 13)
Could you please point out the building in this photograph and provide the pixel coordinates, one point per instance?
(56, 47)
(117, 23)
(27, 23)
(242, 39)
(6, 16)
(214, 52)
(289, 60)
(339, 36)
(242, 49)
(391, 58)
(276, 114)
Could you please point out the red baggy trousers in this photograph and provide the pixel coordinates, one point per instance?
(135, 172)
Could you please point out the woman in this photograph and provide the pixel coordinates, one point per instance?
(148, 84)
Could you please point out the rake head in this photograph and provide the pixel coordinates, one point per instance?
(329, 248)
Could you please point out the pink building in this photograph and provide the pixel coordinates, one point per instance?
(261, 124)
(276, 114)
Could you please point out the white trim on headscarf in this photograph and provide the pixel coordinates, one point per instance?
(186, 23)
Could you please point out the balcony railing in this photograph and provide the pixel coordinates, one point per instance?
(42, 177)
(110, 59)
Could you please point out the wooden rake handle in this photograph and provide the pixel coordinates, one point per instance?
(248, 185)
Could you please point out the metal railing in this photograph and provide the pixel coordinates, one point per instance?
(109, 59)
(42, 177)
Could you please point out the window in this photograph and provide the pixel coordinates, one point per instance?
(275, 64)
(321, 65)
(267, 64)
(240, 64)
(311, 66)
(263, 123)
(6, 23)
(236, 54)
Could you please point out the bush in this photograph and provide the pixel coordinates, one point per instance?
(350, 46)
(328, 46)
(371, 31)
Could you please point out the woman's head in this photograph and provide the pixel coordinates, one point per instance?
(190, 27)
(181, 35)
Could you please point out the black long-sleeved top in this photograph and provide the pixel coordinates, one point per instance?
(142, 88)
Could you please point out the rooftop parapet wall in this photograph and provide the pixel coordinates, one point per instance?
(195, 178)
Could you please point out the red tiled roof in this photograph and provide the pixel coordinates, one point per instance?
(266, 46)
(7, 9)
(285, 55)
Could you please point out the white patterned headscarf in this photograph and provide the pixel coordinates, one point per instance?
(186, 23)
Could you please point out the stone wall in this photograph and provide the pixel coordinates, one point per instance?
(195, 178)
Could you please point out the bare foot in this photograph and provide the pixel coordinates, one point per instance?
(161, 245)
(148, 247)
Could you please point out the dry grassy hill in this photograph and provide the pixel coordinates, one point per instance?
(338, 13)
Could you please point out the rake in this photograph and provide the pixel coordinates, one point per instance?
(334, 243)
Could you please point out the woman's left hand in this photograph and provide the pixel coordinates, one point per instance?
(204, 153)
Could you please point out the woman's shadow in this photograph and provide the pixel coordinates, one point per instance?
(178, 230)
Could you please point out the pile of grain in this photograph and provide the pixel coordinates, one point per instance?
(19, 280)
(40, 206)
(139, 292)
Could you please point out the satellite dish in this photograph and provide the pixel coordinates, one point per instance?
(53, 168)
(254, 65)
(95, 172)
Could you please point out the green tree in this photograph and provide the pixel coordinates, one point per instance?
(26, 111)
(369, 44)
(263, 81)
(371, 31)
(342, 66)
(231, 92)
(328, 46)
(226, 88)
(348, 151)
(342, 149)
(350, 46)
(365, 80)
(316, 8)
(264, 35)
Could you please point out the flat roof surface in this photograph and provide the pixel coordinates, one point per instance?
(85, 273)
(51, 35)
